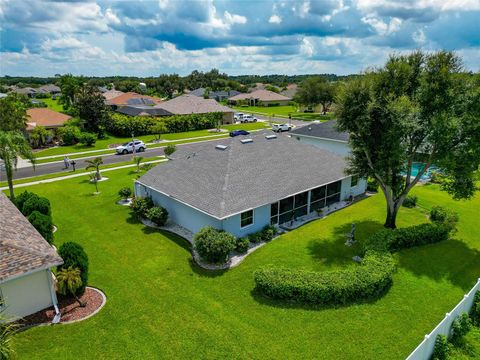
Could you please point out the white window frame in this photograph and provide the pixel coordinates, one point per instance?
(253, 218)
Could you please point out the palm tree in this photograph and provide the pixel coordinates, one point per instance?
(95, 165)
(6, 334)
(12, 145)
(69, 281)
(137, 160)
(94, 181)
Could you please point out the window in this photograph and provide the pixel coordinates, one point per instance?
(334, 188)
(318, 193)
(301, 199)
(354, 181)
(286, 204)
(274, 213)
(246, 218)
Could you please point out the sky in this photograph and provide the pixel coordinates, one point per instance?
(148, 38)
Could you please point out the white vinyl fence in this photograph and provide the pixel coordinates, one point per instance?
(425, 349)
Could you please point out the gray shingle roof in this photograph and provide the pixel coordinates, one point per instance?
(244, 176)
(144, 110)
(191, 104)
(22, 248)
(326, 130)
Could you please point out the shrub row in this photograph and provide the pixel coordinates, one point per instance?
(124, 125)
(365, 281)
(214, 245)
(404, 238)
(38, 212)
(264, 235)
(146, 209)
(71, 135)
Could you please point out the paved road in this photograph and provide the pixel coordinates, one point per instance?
(107, 159)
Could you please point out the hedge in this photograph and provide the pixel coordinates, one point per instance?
(365, 281)
(214, 245)
(43, 224)
(21, 199)
(404, 238)
(158, 215)
(36, 203)
(140, 206)
(264, 235)
(73, 255)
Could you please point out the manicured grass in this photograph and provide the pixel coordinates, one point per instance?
(161, 305)
(52, 104)
(283, 111)
(114, 140)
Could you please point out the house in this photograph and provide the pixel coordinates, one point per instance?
(143, 110)
(28, 91)
(47, 118)
(130, 98)
(219, 95)
(323, 135)
(26, 260)
(260, 98)
(49, 89)
(243, 183)
(290, 91)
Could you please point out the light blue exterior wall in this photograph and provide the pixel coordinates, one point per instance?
(356, 190)
(178, 212)
(336, 147)
(261, 217)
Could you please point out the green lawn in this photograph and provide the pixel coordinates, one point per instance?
(161, 305)
(114, 140)
(52, 104)
(283, 111)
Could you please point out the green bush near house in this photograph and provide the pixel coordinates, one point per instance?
(36, 203)
(410, 201)
(441, 349)
(460, 327)
(87, 139)
(366, 281)
(214, 245)
(242, 245)
(69, 135)
(22, 198)
(74, 256)
(441, 215)
(264, 235)
(125, 192)
(140, 206)
(372, 185)
(43, 224)
(158, 215)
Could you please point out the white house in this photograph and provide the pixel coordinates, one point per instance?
(243, 183)
(26, 283)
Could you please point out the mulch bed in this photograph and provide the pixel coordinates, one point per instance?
(69, 308)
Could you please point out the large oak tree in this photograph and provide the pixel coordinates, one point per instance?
(418, 107)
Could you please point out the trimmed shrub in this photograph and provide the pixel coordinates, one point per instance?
(214, 245)
(268, 233)
(158, 215)
(440, 215)
(43, 224)
(21, 199)
(368, 280)
(140, 206)
(410, 201)
(169, 150)
(69, 135)
(73, 255)
(441, 349)
(87, 139)
(125, 192)
(404, 238)
(242, 245)
(255, 237)
(475, 312)
(372, 185)
(36, 203)
(460, 327)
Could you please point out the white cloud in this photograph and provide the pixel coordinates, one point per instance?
(419, 37)
(275, 19)
(231, 19)
(380, 26)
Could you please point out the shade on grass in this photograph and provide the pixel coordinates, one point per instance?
(160, 305)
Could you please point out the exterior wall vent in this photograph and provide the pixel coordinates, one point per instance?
(246, 141)
(221, 147)
(273, 136)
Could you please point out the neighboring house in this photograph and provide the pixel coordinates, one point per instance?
(28, 91)
(220, 95)
(2, 95)
(111, 94)
(144, 110)
(243, 186)
(49, 89)
(47, 118)
(132, 98)
(290, 91)
(323, 135)
(26, 259)
(260, 98)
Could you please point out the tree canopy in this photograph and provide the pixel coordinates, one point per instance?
(91, 108)
(417, 108)
(13, 112)
(314, 91)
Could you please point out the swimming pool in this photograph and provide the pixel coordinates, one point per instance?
(418, 166)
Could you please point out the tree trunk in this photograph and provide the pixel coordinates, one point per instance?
(79, 302)
(392, 212)
(10, 183)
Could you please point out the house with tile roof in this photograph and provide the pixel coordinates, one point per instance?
(243, 183)
(45, 117)
(260, 98)
(26, 260)
(131, 98)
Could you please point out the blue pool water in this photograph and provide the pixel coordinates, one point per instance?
(418, 166)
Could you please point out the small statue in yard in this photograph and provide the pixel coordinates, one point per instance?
(351, 236)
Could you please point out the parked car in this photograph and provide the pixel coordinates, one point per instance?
(128, 147)
(281, 127)
(248, 119)
(238, 132)
(238, 116)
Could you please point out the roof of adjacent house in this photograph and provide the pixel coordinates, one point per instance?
(22, 249)
(213, 94)
(49, 88)
(262, 95)
(45, 117)
(244, 176)
(325, 130)
(191, 104)
(143, 111)
(132, 98)
(25, 90)
(290, 91)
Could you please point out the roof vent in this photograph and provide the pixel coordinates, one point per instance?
(273, 136)
(310, 128)
(246, 141)
(221, 147)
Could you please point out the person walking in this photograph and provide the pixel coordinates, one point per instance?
(66, 161)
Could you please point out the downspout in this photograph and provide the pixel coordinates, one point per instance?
(56, 318)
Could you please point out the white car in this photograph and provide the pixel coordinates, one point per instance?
(128, 147)
(248, 119)
(238, 116)
(281, 127)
